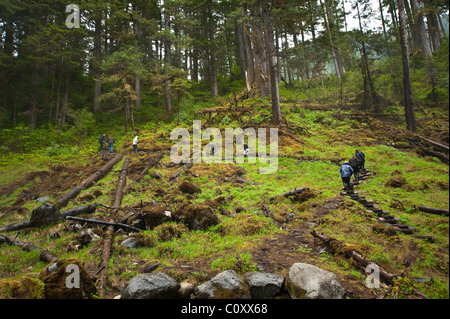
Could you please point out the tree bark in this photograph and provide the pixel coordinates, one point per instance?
(44, 255)
(64, 199)
(432, 210)
(109, 234)
(338, 247)
(96, 65)
(407, 90)
(276, 109)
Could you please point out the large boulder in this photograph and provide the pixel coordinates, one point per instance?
(306, 281)
(226, 285)
(67, 279)
(151, 286)
(264, 285)
(196, 216)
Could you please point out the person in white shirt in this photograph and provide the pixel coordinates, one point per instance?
(135, 142)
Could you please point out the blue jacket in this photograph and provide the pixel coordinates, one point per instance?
(346, 170)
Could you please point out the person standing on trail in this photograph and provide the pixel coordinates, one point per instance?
(135, 143)
(101, 141)
(346, 173)
(110, 142)
(361, 157)
(246, 149)
(355, 164)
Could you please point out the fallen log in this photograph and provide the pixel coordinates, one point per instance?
(181, 170)
(338, 247)
(88, 209)
(444, 158)
(109, 234)
(101, 222)
(442, 147)
(45, 255)
(289, 193)
(64, 199)
(432, 210)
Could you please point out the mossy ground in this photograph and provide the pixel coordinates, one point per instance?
(317, 142)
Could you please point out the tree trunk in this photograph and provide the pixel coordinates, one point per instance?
(332, 47)
(212, 62)
(407, 90)
(109, 234)
(248, 52)
(65, 101)
(167, 60)
(64, 199)
(44, 255)
(34, 95)
(424, 44)
(276, 109)
(433, 31)
(137, 89)
(96, 65)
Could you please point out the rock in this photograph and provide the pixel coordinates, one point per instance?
(189, 188)
(87, 236)
(56, 277)
(264, 285)
(129, 242)
(226, 285)
(196, 216)
(54, 235)
(44, 215)
(186, 289)
(306, 281)
(43, 199)
(21, 288)
(151, 286)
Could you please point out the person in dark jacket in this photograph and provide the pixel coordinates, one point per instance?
(355, 164)
(110, 142)
(361, 157)
(346, 173)
(101, 141)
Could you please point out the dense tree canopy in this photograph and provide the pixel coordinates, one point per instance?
(127, 52)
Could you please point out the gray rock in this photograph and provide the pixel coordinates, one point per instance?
(43, 199)
(129, 242)
(306, 281)
(226, 285)
(151, 286)
(264, 285)
(186, 289)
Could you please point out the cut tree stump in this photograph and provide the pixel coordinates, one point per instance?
(109, 233)
(63, 200)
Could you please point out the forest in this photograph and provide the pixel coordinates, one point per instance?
(330, 76)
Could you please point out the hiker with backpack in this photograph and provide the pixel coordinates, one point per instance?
(110, 142)
(361, 157)
(101, 141)
(346, 173)
(355, 163)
